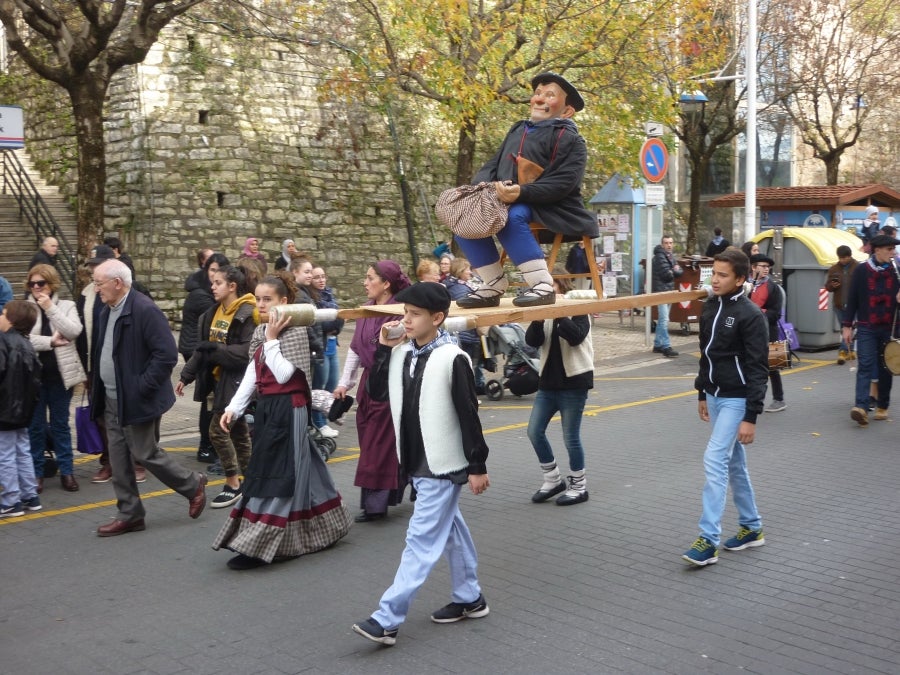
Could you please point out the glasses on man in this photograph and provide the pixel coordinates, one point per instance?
(98, 284)
(37, 284)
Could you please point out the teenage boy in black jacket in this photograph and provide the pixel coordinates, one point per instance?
(734, 367)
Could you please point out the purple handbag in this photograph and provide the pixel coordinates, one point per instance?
(87, 433)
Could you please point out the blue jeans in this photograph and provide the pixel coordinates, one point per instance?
(725, 461)
(870, 344)
(839, 315)
(569, 403)
(516, 238)
(55, 398)
(16, 467)
(435, 528)
(325, 376)
(662, 328)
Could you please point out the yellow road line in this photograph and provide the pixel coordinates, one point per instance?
(590, 411)
(91, 505)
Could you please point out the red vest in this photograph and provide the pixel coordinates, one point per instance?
(267, 385)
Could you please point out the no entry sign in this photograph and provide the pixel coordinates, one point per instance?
(654, 160)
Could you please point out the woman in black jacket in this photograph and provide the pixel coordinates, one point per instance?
(218, 364)
(199, 299)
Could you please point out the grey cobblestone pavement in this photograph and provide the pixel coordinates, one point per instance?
(594, 588)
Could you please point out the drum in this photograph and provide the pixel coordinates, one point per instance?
(779, 355)
(892, 356)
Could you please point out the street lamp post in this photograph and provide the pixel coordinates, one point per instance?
(693, 106)
(750, 171)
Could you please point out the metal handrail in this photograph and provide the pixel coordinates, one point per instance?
(34, 211)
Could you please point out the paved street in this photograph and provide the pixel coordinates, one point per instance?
(595, 588)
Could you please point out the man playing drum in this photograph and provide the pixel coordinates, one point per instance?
(872, 303)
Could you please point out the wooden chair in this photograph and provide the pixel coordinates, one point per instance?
(593, 274)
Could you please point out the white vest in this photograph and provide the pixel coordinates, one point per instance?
(441, 433)
(576, 359)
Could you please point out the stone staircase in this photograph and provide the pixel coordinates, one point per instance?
(18, 241)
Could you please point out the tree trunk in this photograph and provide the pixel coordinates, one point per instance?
(699, 167)
(832, 168)
(87, 98)
(465, 157)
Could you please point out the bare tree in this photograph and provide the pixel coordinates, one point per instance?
(80, 45)
(838, 59)
(699, 69)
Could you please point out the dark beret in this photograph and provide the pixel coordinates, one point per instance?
(428, 295)
(880, 240)
(757, 258)
(101, 253)
(573, 98)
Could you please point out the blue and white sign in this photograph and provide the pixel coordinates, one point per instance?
(12, 127)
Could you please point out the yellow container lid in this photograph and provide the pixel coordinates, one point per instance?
(821, 241)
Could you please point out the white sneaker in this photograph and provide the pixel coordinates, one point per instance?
(328, 432)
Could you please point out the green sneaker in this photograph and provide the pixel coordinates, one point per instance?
(702, 553)
(745, 539)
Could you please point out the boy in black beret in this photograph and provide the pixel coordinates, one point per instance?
(769, 297)
(431, 387)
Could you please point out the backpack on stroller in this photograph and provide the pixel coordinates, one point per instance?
(521, 368)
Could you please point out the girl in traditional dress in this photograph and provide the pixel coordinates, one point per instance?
(290, 505)
(377, 472)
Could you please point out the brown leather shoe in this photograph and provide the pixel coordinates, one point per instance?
(69, 484)
(104, 473)
(198, 501)
(140, 474)
(117, 527)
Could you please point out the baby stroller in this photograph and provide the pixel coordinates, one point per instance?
(325, 446)
(521, 369)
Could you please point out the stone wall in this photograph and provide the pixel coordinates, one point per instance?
(243, 143)
(212, 140)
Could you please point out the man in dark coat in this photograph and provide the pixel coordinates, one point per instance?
(538, 172)
(47, 253)
(131, 387)
(664, 270)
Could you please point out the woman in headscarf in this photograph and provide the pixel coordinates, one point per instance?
(288, 251)
(251, 250)
(377, 472)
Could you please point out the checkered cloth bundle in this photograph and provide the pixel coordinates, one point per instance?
(472, 211)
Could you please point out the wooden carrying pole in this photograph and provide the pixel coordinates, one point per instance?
(509, 313)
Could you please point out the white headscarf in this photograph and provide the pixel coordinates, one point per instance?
(284, 250)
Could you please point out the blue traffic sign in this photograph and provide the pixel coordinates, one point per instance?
(654, 160)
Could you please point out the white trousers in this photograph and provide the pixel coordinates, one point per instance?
(436, 527)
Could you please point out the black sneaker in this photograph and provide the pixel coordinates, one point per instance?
(372, 630)
(12, 511)
(205, 455)
(227, 497)
(245, 562)
(669, 353)
(457, 611)
(33, 504)
(657, 350)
